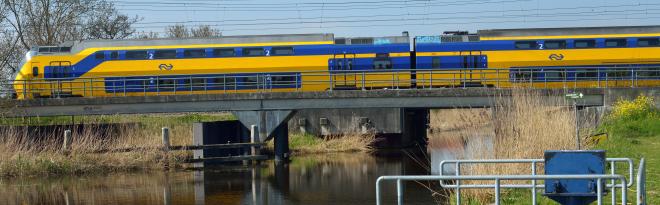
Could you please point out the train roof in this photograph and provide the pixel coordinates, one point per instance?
(243, 39)
(569, 31)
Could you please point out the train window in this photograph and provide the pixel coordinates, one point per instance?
(521, 75)
(164, 54)
(365, 41)
(136, 55)
(282, 51)
(194, 53)
(199, 82)
(619, 73)
(99, 55)
(281, 80)
(585, 43)
(253, 52)
(382, 63)
(35, 71)
(648, 72)
(435, 62)
(65, 49)
(555, 74)
(555, 44)
(166, 84)
(114, 55)
(43, 49)
(646, 42)
(586, 74)
(616, 43)
(526, 45)
(224, 52)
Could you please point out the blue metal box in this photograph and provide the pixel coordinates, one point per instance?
(571, 162)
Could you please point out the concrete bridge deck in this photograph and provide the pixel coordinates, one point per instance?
(412, 98)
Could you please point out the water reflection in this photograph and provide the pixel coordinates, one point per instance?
(321, 179)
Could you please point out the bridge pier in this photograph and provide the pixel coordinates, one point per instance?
(267, 120)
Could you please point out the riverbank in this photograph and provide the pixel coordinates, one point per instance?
(24, 156)
(632, 130)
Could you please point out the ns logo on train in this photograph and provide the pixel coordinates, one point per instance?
(556, 57)
(165, 66)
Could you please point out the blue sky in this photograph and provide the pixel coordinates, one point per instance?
(352, 18)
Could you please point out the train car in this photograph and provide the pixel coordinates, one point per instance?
(548, 57)
(280, 63)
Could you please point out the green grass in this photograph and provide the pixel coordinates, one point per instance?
(633, 136)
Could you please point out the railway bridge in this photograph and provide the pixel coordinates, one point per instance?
(400, 109)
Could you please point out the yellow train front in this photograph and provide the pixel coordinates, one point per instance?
(280, 63)
(551, 57)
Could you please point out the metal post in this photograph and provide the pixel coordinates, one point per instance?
(577, 125)
(66, 147)
(624, 192)
(497, 191)
(166, 138)
(91, 81)
(458, 183)
(599, 190)
(331, 79)
(378, 191)
(533, 184)
(363, 80)
(612, 171)
(641, 183)
(124, 83)
(399, 192)
(254, 138)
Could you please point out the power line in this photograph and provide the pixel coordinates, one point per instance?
(323, 8)
(403, 15)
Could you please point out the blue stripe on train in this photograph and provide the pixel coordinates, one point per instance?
(90, 62)
(202, 82)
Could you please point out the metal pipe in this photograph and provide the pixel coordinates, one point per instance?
(497, 192)
(612, 171)
(599, 191)
(399, 192)
(533, 184)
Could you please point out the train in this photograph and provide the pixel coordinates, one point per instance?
(538, 57)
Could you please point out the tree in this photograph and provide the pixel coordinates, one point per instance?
(50, 22)
(202, 31)
(205, 31)
(107, 23)
(177, 31)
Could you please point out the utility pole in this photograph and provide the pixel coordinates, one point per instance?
(576, 96)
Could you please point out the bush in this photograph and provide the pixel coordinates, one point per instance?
(633, 118)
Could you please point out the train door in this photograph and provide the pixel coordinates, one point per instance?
(60, 71)
(472, 63)
(341, 67)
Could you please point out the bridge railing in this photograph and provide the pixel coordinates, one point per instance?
(542, 77)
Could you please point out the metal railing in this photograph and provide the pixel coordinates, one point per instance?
(533, 162)
(497, 185)
(564, 77)
(623, 183)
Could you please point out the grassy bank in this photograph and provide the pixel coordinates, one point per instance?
(22, 155)
(632, 127)
(310, 144)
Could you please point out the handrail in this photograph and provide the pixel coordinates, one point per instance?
(498, 178)
(641, 183)
(533, 163)
(542, 77)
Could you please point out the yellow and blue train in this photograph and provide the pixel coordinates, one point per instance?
(553, 57)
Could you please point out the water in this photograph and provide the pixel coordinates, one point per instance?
(317, 179)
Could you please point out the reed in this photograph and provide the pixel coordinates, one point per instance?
(24, 155)
(352, 142)
(522, 126)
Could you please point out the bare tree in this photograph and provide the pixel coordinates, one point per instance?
(177, 31)
(202, 31)
(106, 23)
(50, 22)
(147, 35)
(205, 31)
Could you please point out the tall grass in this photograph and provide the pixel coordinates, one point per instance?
(521, 126)
(24, 155)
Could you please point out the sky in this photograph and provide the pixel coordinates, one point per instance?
(373, 18)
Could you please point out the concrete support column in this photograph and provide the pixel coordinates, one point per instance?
(281, 137)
